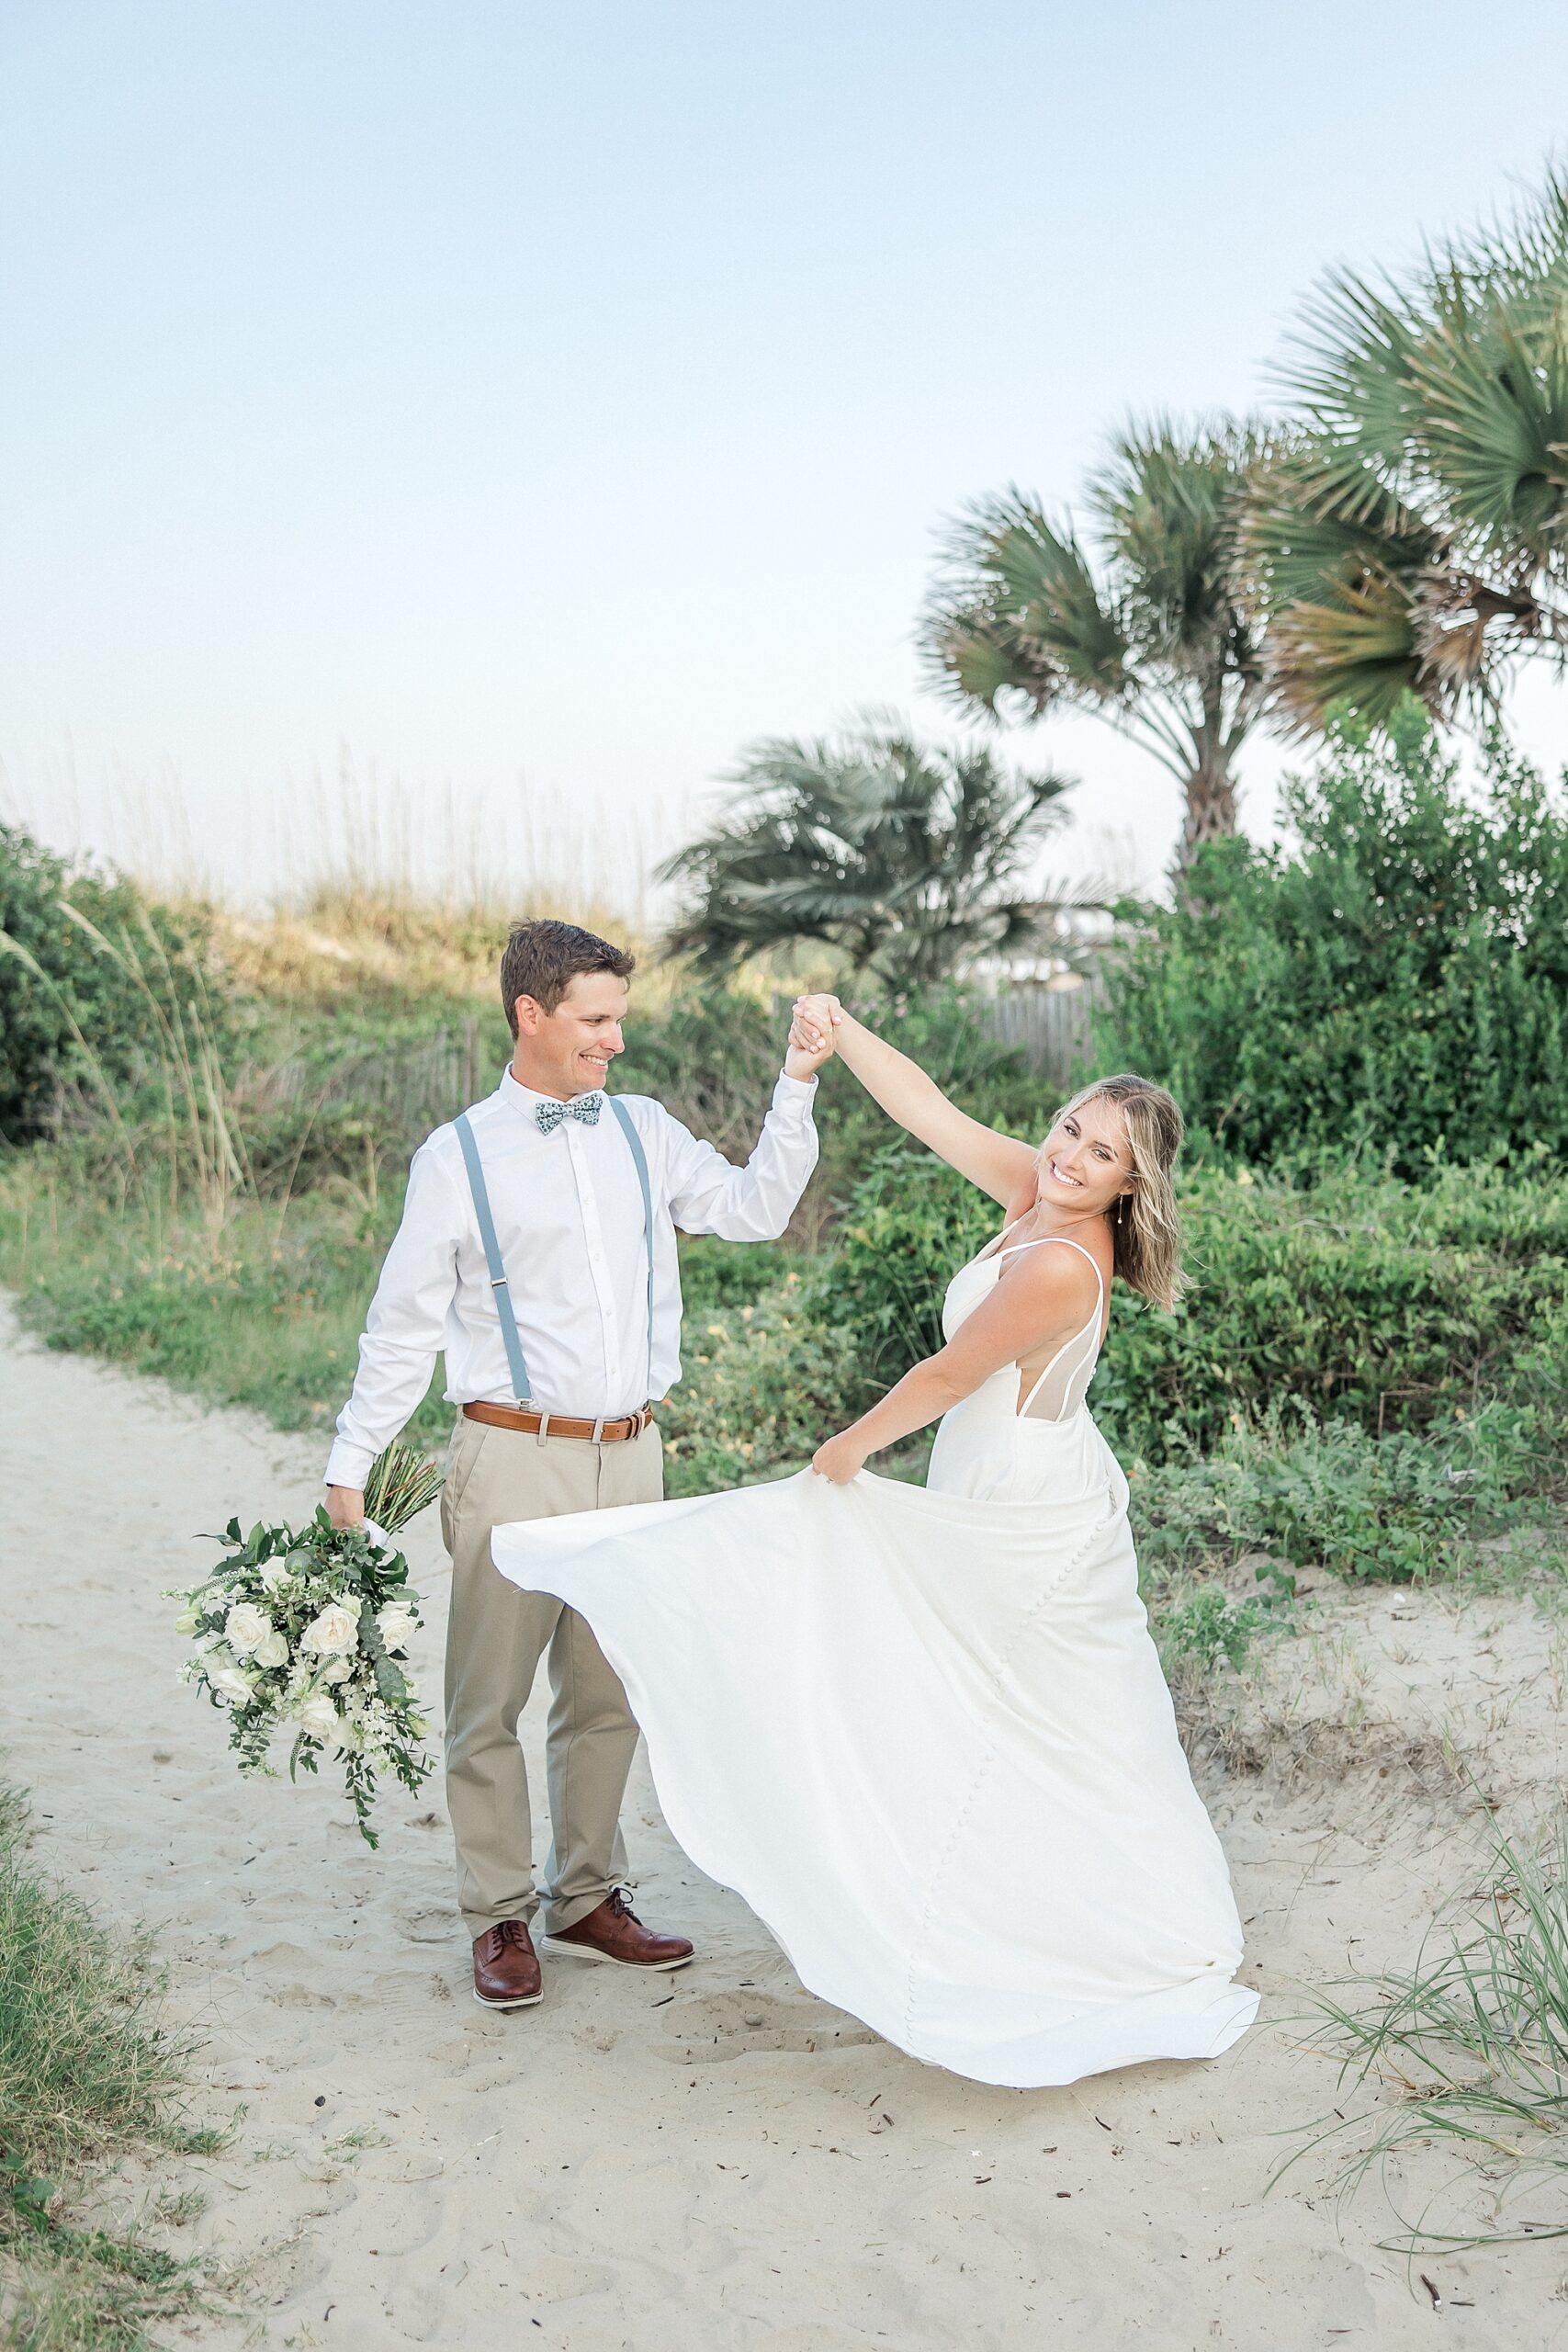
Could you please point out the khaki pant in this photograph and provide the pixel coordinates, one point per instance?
(495, 1637)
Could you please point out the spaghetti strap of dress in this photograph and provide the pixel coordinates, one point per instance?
(992, 1249)
(1043, 1240)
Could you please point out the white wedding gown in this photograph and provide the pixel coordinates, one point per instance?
(925, 1733)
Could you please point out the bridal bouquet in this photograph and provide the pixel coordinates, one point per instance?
(303, 1632)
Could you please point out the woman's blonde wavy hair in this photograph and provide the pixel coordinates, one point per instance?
(1148, 1234)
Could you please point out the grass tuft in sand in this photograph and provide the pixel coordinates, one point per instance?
(1467, 2049)
(88, 2073)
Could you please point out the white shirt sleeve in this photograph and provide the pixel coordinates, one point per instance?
(708, 1194)
(406, 1327)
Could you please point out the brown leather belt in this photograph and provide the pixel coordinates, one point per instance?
(543, 1425)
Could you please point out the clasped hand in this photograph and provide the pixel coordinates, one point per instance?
(811, 1029)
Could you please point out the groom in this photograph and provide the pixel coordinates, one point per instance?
(538, 1248)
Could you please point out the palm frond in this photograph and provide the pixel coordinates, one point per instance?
(1352, 387)
(1344, 602)
(1360, 645)
(882, 847)
(1019, 608)
(1495, 395)
(1170, 502)
(1417, 531)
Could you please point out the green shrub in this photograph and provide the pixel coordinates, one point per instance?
(1368, 1299)
(711, 1059)
(1205, 1628)
(1397, 977)
(270, 1316)
(717, 1273)
(68, 1004)
(762, 1386)
(1290, 1494)
(908, 1225)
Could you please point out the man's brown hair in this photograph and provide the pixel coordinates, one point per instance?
(542, 959)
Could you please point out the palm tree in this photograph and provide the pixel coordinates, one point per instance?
(1412, 532)
(1152, 637)
(903, 857)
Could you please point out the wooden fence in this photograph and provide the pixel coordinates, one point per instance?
(1052, 1028)
(419, 1086)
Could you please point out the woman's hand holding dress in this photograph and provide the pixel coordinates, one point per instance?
(841, 1459)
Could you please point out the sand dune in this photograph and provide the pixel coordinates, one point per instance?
(716, 2159)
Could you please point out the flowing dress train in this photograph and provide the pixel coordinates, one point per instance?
(924, 1732)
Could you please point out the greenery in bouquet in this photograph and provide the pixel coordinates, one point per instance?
(304, 1632)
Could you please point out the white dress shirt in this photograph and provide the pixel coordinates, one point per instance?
(569, 1216)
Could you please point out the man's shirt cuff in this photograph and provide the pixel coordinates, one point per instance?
(348, 1465)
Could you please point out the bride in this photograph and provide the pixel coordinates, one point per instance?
(924, 1731)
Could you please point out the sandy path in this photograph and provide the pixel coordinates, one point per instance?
(713, 2159)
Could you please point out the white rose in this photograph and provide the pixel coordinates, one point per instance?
(245, 1627)
(397, 1625)
(226, 1678)
(272, 1651)
(317, 1715)
(333, 1631)
(337, 1669)
(274, 1573)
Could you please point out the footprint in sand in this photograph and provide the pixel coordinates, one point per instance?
(282, 1970)
(432, 1924)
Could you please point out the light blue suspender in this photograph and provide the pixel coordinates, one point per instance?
(639, 1162)
(516, 1361)
(514, 1357)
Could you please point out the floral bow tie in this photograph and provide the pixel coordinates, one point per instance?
(583, 1106)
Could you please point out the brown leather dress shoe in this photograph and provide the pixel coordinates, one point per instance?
(615, 1932)
(506, 1968)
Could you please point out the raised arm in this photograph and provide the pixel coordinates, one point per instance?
(1042, 1298)
(707, 1193)
(1000, 1165)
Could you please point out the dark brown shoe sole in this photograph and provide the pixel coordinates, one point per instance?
(590, 1951)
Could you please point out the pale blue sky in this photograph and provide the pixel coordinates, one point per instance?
(542, 403)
